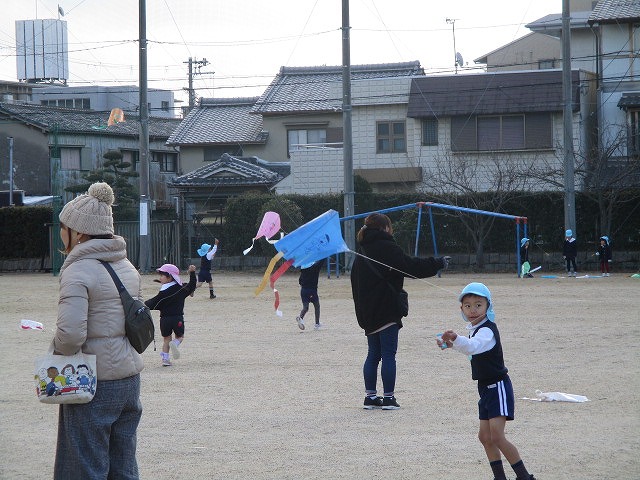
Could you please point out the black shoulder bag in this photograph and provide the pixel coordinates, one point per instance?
(138, 322)
(401, 297)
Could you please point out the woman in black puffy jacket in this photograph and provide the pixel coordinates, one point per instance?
(376, 305)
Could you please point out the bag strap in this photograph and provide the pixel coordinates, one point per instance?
(119, 285)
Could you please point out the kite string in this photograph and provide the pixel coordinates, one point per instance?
(404, 273)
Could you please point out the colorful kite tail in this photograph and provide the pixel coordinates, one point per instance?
(267, 272)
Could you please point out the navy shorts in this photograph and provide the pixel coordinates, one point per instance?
(204, 276)
(496, 400)
(174, 324)
(309, 295)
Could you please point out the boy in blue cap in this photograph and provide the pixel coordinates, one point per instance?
(497, 403)
(525, 266)
(570, 252)
(207, 252)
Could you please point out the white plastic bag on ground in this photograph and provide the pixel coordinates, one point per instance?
(557, 397)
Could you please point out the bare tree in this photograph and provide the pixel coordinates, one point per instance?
(483, 183)
(611, 174)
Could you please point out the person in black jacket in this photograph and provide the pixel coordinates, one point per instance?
(170, 302)
(497, 401)
(604, 252)
(376, 305)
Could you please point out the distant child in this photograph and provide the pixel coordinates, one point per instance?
(497, 402)
(309, 293)
(570, 252)
(170, 302)
(524, 258)
(604, 252)
(207, 252)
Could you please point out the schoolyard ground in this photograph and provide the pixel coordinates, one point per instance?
(253, 397)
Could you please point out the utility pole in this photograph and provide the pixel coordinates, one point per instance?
(567, 99)
(10, 139)
(199, 64)
(347, 147)
(452, 21)
(145, 222)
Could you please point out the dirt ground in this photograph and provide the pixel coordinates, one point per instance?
(253, 397)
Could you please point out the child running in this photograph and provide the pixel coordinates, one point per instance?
(497, 402)
(170, 302)
(309, 293)
(207, 252)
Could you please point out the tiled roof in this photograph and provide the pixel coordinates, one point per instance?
(489, 93)
(69, 120)
(229, 171)
(221, 121)
(308, 89)
(613, 11)
(629, 100)
(552, 24)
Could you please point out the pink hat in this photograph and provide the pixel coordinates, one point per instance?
(171, 270)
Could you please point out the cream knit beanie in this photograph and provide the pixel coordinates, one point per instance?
(90, 213)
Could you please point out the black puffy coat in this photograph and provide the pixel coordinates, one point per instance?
(372, 297)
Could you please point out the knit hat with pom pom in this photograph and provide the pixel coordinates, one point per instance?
(90, 213)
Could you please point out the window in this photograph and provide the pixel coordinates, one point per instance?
(430, 131)
(79, 103)
(546, 64)
(502, 132)
(70, 158)
(211, 154)
(390, 137)
(164, 105)
(167, 161)
(132, 157)
(299, 139)
(634, 133)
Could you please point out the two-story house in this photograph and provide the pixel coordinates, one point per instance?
(605, 37)
(81, 138)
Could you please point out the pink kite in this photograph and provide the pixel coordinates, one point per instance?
(268, 228)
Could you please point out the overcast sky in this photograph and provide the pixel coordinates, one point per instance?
(247, 41)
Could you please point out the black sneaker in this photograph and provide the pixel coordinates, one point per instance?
(371, 403)
(389, 403)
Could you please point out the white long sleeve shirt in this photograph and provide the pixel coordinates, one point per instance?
(483, 341)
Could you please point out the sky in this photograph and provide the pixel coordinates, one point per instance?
(245, 42)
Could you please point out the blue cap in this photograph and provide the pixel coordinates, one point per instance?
(568, 233)
(605, 238)
(204, 248)
(523, 241)
(481, 290)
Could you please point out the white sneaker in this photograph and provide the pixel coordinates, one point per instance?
(317, 326)
(166, 363)
(300, 323)
(173, 346)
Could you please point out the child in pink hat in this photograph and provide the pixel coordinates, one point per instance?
(170, 302)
